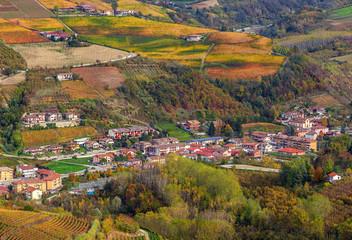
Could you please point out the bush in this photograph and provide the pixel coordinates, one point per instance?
(126, 224)
(28, 208)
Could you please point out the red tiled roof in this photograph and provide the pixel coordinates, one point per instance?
(3, 189)
(192, 148)
(333, 174)
(49, 174)
(290, 150)
(204, 153)
(28, 181)
(23, 167)
(31, 189)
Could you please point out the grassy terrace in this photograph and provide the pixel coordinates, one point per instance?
(175, 131)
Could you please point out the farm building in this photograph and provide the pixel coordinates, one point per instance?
(194, 38)
(87, 8)
(291, 151)
(58, 35)
(332, 177)
(64, 76)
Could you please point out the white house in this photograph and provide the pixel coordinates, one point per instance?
(194, 38)
(64, 76)
(33, 193)
(27, 171)
(332, 177)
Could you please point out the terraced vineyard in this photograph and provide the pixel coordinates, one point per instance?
(142, 71)
(125, 236)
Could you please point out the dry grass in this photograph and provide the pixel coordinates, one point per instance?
(238, 48)
(244, 58)
(14, 34)
(54, 55)
(246, 71)
(325, 100)
(60, 3)
(261, 126)
(130, 26)
(40, 24)
(79, 90)
(205, 4)
(144, 8)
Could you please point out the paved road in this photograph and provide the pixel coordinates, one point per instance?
(250, 167)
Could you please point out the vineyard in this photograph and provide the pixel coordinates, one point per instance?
(19, 225)
(260, 126)
(130, 26)
(55, 55)
(325, 100)
(14, 34)
(40, 24)
(142, 71)
(158, 48)
(10, 58)
(100, 77)
(79, 90)
(60, 3)
(51, 136)
(22, 9)
(126, 236)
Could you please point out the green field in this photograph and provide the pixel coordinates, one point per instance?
(342, 12)
(78, 161)
(162, 49)
(175, 131)
(64, 167)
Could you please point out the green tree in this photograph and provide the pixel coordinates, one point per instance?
(211, 130)
(114, 6)
(328, 167)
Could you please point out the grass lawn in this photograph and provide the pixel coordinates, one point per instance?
(175, 131)
(64, 167)
(78, 160)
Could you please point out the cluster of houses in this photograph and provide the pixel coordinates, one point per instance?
(91, 10)
(33, 119)
(56, 36)
(34, 182)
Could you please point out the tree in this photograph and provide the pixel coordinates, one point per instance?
(211, 130)
(228, 130)
(56, 8)
(318, 175)
(114, 6)
(343, 129)
(324, 122)
(328, 168)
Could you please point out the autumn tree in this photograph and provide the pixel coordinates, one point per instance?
(318, 175)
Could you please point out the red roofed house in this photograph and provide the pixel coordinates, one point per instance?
(250, 146)
(106, 141)
(205, 155)
(21, 185)
(91, 145)
(52, 179)
(291, 151)
(35, 118)
(126, 152)
(108, 156)
(332, 177)
(4, 191)
(230, 146)
(192, 124)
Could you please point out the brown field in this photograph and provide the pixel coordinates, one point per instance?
(40, 24)
(262, 126)
(23, 9)
(246, 71)
(54, 55)
(79, 90)
(18, 78)
(325, 100)
(100, 77)
(14, 34)
(205, 4)
(228, 37)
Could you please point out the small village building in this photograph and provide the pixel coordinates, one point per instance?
(108, 12)
(164, 141)
(301, 123)
(91, 145)
(87, 8)
(72, 146)
(34, 150)
(109, 157)
(142, 146)
(230, 146)
(64, 76)
(6, 174)
(4, 191)
(106, 141)
(292, 115)
(291, 151)
(206, 141)
(53, 117)
(192, 125)
(58, 35)
(55, 148)
(71, 116)
(332, 177)
(33, 193)
(34, 118)
(250, 146)
(26, 171)
(53, 180)
(21, 185)
(127, 152)
(156, 159)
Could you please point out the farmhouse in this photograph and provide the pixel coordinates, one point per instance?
(71, 116)
(132, 132)
(58, 35)
(21, 185)
(6, 173)
(332, 177)
(194, 38)
(291, 151)
(64, 76)
(26, 171)
(52, 179)
(34, 150)
(35, 118)
(97, 159)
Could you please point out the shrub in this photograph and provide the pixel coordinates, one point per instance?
(126, 224)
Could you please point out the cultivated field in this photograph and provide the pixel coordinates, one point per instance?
(58, 227)
(130, 26)
(244, 58)
(260, 126)
(245, 71)
(22, 9)
(325, 100)
(346, 58)
(229, 37)
(238, 48)
(205, 4)
(57, 54)
(14, 80)
(115, 235)
(100, 77)
(60, 3)
(51, 136)
(40, 24)
(14, 34)
(341, 19)
(144, 8)
(162, 49)
(142, 71)
(79, 90)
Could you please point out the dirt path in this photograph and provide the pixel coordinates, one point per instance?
(15, 79)
(250, 167)
(205, 55)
